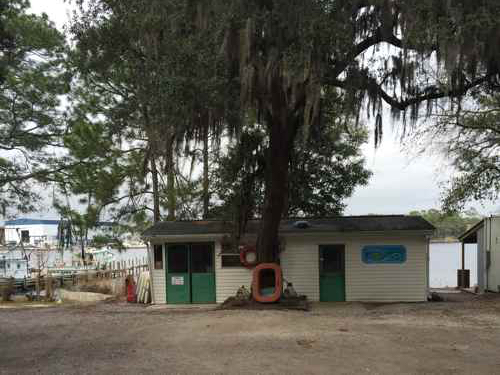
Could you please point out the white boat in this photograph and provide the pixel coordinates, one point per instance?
(101, 256)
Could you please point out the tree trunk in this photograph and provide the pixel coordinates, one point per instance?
(38, 278)
(282, 134)
(82, 250)
(37, 285)
(206, 186)
(171, 193)
(156, 192)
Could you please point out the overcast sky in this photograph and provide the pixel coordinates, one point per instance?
(400, 183)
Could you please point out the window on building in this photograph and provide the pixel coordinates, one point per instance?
(25, 236)
(332, 258)
(202, 258)
(230, 260)
(230, 257)
(178, 258)
(158, 257)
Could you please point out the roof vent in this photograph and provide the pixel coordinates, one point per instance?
(301, 224)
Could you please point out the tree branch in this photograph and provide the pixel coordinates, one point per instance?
(429, 93)
(37, 174)
(380, 35)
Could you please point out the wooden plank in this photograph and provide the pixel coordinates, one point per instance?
(138, 291)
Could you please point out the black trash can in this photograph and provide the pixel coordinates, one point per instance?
(463, 277)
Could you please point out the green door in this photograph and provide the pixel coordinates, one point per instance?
(190, 273)
(331, 273)
(178, 280)
(202, 273)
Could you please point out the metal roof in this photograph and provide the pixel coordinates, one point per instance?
(470, 235)
(370, 223)
(30, 222)
(46, 222)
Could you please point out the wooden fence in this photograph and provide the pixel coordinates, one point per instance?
(108, 270)
(122, 268)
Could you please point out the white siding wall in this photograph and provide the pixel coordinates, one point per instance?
(494, 270)
(481, 258)
(159, 287)
(387, 282)
(300, 264)
(228, 280)
(364, 282)
(38, 233)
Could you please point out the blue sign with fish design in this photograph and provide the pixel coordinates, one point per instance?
(391, 254)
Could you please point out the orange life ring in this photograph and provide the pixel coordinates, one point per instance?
(243, 256)
(256, 283)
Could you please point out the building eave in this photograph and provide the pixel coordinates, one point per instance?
(464, 237)
(305, 233)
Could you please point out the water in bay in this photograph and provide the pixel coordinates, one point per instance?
(446, 259)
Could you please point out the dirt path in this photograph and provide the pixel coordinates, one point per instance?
(351, 338)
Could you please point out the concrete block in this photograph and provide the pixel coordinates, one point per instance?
(67, 295)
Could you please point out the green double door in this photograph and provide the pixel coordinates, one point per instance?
(331, 273)
(190, 273)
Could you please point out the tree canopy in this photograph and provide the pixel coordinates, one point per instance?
(323, 172)
(32, 81)
(162, 81)
(291, 53)
(284, 85)
(469, 137)
(449, 225)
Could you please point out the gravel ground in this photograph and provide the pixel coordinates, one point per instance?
(344, 338)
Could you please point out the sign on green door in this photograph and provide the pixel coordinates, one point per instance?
(332, 273)
(190, 273)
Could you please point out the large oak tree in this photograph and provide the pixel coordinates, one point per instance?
(287, 58)
(373, 53)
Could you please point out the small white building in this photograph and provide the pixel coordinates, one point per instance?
(486, 234)
(39, 232)
(362, 258)
(31, 231)
(13, 265)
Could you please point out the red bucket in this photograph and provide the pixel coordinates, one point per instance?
(131, 297)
